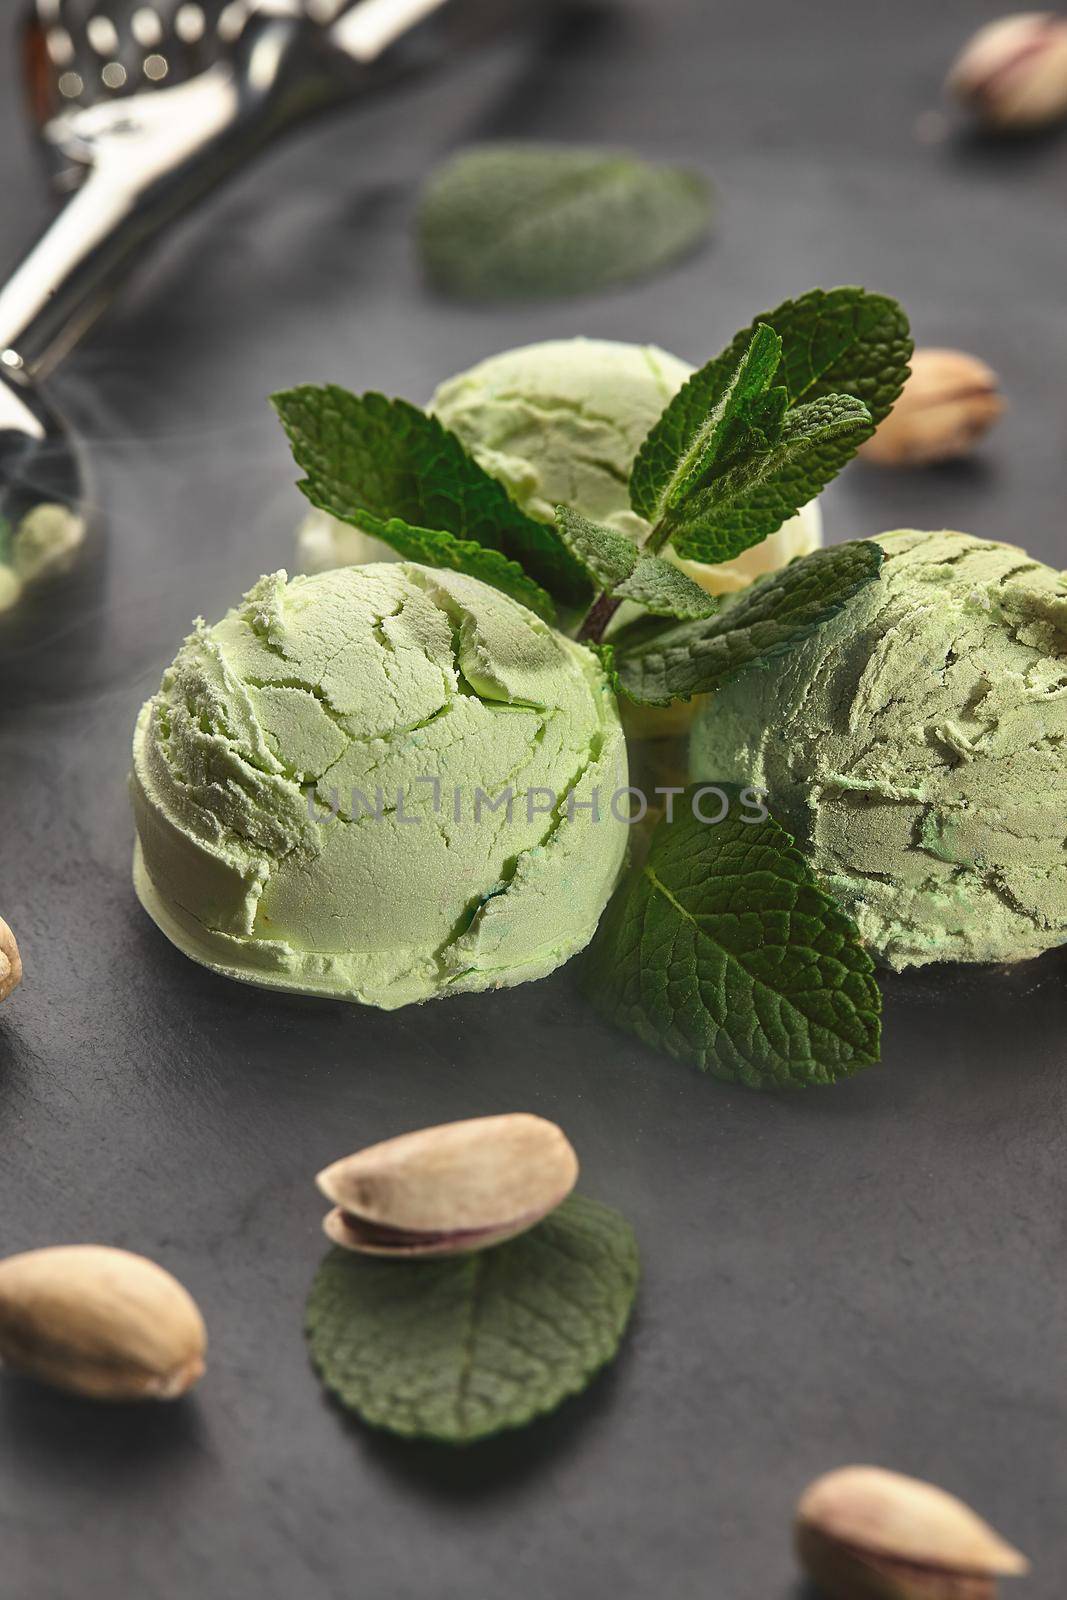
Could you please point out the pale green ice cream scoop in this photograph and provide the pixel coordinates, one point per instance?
(916, 745)
(384, 784)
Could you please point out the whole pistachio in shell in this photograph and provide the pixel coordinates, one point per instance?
(10, 961)
(99, 1322)
(948, 403)
(866, 1534)
(447, 1190)
(1013, 72)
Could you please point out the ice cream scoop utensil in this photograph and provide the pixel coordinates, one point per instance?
(144, 109)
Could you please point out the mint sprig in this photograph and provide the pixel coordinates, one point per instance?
(654, 665)
(723, 950)
(389, 468)
(763, 428)
(460, 1348)
(752, 437)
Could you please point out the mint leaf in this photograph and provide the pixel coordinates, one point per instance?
(730, 461)
(665, 590)
(655, 664)
(532, 221)
(619, 569)
(753, 499)
(723, 951)
(369, 459)
(459, 1348)
(435, 548)
(608, 556)
(705, 422)
(835, 341)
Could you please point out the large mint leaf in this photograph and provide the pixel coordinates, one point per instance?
(530, 221)
(655, 664)
(460, 1348)
(753, 500)
(617, 567)
(702, 425)
(368, 458)
(723, 950)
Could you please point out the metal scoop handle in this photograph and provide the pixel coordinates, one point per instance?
(151, 156)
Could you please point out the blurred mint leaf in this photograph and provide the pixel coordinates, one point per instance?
(373, 462)
(459, 1348)
(619, 569)
(654, 664)
(704, 426)
(753, 499)
(505, 221)
(723, 950)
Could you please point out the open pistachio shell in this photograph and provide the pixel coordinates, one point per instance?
(450, 1189)
(866, 1534)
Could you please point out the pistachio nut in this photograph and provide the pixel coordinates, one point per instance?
(1013, 73)
(99, 1322)
(866, 1534)
(10, 961)
(446, 1190)
(948, 403)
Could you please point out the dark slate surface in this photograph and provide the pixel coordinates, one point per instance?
(872, 1273)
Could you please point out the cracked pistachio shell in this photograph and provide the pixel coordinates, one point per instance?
(948, 403)
(99, 1322)
(1013, 72)
(866, 1534)
(449, 1189)
(10, 961)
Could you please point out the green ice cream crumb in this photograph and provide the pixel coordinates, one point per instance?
(915, 745)
(306, 787)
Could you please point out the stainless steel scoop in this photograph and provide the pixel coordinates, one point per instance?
(144, 108)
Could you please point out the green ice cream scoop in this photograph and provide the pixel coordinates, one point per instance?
(917, 747)
(560, 423)
(382, 783)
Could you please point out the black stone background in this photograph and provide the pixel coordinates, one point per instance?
(872, 1273)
